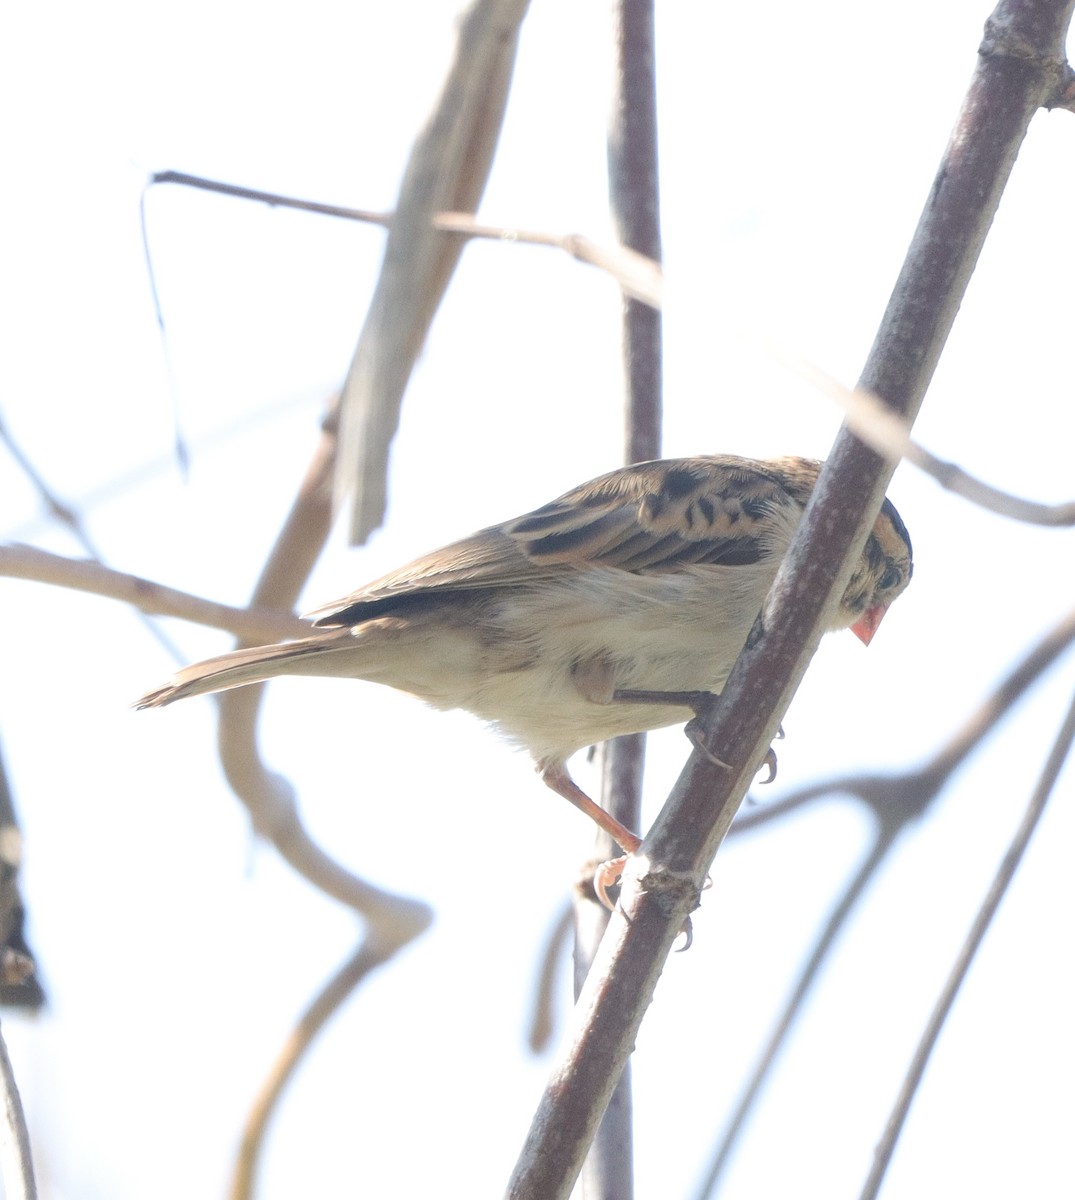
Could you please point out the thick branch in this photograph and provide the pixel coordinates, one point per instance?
(664, 878)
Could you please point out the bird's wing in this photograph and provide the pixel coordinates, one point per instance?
(649, 518)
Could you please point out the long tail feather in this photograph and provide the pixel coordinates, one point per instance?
(252, 665)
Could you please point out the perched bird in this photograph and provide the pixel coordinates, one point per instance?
(559, 626)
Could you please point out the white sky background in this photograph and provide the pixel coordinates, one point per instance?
(798, 144)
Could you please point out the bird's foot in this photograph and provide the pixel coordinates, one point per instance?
(701, 703)
(769, 762)
(608, 875)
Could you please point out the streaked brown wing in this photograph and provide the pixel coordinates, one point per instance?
(652, 517)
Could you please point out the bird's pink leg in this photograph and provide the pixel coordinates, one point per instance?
(555, 776)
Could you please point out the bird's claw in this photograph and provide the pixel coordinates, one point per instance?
(769, 761)
(696, 737)
(703, 705)
(607, 875)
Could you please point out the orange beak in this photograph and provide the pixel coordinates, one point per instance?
(868, 624)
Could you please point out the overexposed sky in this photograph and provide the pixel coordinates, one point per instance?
(798, 145)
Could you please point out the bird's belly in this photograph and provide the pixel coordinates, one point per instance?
(672, 633)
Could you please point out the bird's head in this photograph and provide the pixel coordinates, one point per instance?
(884, 571)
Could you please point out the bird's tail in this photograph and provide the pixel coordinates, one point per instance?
(307, 656)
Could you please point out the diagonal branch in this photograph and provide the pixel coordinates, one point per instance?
(871, 422)
(18, 561)
(447, 171)
(637, 274)
(895, 801)
(979, 927)
(664, 878)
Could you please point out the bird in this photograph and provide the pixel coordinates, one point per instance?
(570, 624)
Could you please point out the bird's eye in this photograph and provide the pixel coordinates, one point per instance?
(889, 579)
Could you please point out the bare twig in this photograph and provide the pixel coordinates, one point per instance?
(883, 842)
(895, 801)
(663, 879)
(87, 575)
(69, 517)
(639, 275)
(979, 927)
(540, 1026)
(912, 792)
(56, 507)
(371, 954)
(392, 920)
(876, 425)
(273, 199)
(16, 1161)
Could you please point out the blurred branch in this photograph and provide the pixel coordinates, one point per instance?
(884, 840)
(876, 425)
(447, 171)
(70, 519)
(1014, 76)
(371, 953)
(540, 1026)
(19, 984)
(392, 920)
(914, 790)
(273, 199)
(87, 575)
(638, 275)
(895, 801)
(979, 927)
(56, 507)
(16, 1161)
(634, 201)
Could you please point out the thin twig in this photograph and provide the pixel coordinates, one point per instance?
(884, 840)
(68, 516)
(371, 954)
(876, 425)
(639, 275)
(895, 801)
(273, 199)
(983, 919)
(16, 1161)
(540, 1026)
(912, 791)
